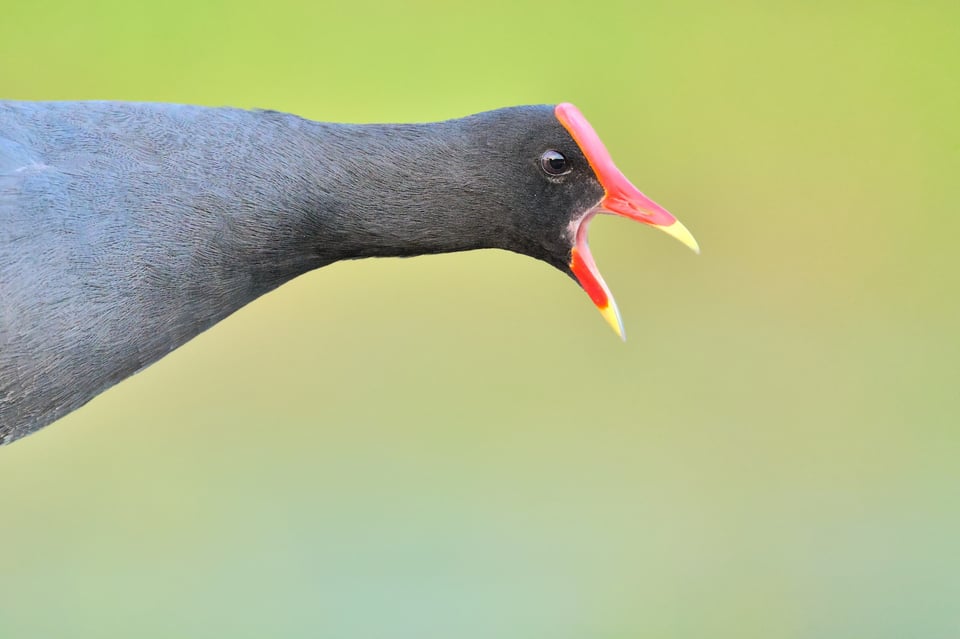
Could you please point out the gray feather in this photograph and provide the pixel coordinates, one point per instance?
(127, 229)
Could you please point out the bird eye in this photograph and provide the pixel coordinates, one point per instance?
(554, 163)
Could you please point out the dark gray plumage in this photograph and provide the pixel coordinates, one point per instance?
(127, 229)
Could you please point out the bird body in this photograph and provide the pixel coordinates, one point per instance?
(127, 229)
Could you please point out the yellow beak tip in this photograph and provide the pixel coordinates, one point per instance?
(612, 315)
(679, 232)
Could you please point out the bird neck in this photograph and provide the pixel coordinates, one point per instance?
(359, 191)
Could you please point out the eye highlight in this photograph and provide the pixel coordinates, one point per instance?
(554, 163)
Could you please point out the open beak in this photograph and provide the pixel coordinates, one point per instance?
(620, 198)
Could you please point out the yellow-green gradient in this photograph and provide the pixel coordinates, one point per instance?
(456, 446)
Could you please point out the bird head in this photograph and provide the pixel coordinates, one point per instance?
(561, 176)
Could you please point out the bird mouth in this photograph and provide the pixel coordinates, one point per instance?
(588, 275)
(620, 198)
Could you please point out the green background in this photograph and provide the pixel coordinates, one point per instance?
(457, 446)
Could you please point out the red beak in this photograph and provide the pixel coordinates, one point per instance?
(621, 198)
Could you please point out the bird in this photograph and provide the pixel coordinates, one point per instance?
(126, 229)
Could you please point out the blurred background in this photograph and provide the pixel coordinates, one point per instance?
(458, 446)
